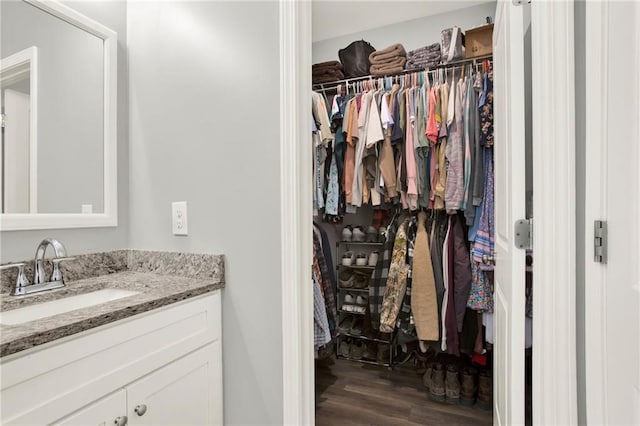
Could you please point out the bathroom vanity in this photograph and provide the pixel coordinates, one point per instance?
(152, 356)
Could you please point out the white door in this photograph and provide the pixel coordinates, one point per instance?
(104, 412)
(509, 158)
(16, 156)
(612, 289)
(185, 392)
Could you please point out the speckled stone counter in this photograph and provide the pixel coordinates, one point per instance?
(160, 278)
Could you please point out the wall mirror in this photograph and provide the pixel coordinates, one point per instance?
(58, 85)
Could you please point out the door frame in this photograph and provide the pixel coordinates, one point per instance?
(600, 57)
(554, 213)
(554, 386)
(596, 19)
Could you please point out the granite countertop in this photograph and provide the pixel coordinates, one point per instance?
(159, 278)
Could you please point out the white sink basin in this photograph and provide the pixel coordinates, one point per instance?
(60, 306)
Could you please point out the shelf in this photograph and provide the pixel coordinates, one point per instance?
(354, 313)
(364, 361)
(357, 290)
(363, 268)
(359, 243)
(370, 339)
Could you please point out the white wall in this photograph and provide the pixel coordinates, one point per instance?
(411, 34)
(205, 129)
(21, 245)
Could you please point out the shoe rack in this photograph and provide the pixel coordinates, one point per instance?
(354, 342)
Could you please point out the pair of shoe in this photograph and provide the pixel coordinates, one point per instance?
(476, 389)
(434, 381)
(361, 259)
(347, 258)
(443, 384)
(351, 324)
(355, 304)
(353, 233)
(351, 348)
(346, 278)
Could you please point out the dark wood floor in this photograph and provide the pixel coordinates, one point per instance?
(351, 393)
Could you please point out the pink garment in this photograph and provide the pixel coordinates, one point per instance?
(433, 171)
(412, 172)
(432, 125)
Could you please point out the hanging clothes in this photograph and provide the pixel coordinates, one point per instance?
(424, 303)
(380, 276)
(396, 281)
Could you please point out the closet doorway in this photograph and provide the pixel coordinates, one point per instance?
(510, 379)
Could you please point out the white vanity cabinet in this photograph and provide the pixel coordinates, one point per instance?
(162, 367)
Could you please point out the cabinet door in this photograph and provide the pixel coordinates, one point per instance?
(104, 411)
(186, 392)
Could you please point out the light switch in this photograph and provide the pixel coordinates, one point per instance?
(179, 218)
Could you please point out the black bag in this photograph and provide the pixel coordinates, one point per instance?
(355, 58)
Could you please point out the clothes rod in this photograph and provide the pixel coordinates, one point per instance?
(455, 64)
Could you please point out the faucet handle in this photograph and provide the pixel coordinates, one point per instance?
(56, 275)
(21, 279)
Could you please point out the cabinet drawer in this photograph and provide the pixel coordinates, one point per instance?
(44, 385)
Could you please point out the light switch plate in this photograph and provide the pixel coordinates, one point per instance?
(179, 218)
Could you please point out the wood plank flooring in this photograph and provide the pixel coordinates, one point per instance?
(351, 393)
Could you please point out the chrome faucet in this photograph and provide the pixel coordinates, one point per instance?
(40, 283)
(38, 262)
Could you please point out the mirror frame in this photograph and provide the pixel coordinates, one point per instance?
(109, 217)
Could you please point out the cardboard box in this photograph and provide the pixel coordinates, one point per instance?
(479, 41)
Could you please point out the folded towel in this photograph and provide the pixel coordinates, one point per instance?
(435, 47)
(424, 55)
(390, 53)
(326, 77)
(421, 66)
(328, 73)
(392, 67)
(327, 65)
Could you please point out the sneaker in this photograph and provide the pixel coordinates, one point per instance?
(358, 235)
(349, 302)
(372, 235)
(357, 348)
(468, 389)
(362, 300)
(345, 325)
(436, 388)
(356, 327)
(452, 385)
(361, 281)
(347, 258)
(345, 348)
(373, 258)
(361, 259)
(485, 391)
(347, 278)
(346, 233)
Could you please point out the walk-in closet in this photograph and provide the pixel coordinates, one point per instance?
(404, 208)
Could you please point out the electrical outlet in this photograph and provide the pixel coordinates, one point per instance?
(179, 218)
(87, 208)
